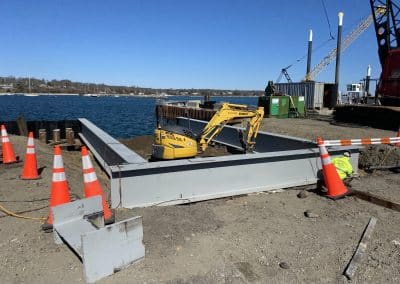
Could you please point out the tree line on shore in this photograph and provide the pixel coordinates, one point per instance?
(13, 84)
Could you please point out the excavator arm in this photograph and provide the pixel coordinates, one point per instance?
(252, 130)
(172, 143)
(227, 113)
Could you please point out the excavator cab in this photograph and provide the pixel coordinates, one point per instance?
(174, 142)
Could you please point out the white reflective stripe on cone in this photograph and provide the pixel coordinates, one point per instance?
(5, 139)
(58, 162)
(86, 163)
(323, 150)
(89, 177)
(30, 150)
(326, 161)
(3, 132)
(59, 177)
(30, 142)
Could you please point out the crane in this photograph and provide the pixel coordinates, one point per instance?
(285, 73)
(350, 38)
(387, 28)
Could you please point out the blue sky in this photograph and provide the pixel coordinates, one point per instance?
(224, 44)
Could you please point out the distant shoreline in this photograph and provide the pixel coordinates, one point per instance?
(119, 95)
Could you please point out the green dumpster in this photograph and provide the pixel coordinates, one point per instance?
(275, 106)
(297, 106)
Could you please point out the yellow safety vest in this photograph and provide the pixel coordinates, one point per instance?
(343, 166)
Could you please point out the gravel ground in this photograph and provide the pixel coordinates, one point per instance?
(327, 129)
(379, 155)
(244, 239)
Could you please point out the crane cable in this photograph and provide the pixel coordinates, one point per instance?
(304, 56)
(313, 50)
(331, 37)
(327, 19)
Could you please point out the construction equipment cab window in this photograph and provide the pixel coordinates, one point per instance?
(173, 143)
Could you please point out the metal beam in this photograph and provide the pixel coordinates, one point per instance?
(185, 181)
(102, 249)
(107, 150)
(280, 162)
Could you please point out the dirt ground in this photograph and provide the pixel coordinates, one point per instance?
(230, 240)
(326, 128)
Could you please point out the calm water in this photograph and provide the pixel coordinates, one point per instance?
(121, 117)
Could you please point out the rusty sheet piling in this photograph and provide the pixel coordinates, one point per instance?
(171, 112)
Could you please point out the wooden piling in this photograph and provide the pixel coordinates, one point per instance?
(56, 136)
(22, 126)
(70, 136)
(43, 135)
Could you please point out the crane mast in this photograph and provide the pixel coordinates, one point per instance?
(387, 26)
(387, 29)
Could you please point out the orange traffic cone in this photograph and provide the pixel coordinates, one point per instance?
(30, 165)
(8, 152)
(336, 188)
(398, 135)
(92, 186)
(59, 187)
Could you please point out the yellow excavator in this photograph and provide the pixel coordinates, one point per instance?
(172, 142)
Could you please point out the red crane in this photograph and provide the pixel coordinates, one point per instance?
(387, 29)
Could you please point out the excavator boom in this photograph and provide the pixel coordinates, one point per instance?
(226, 114)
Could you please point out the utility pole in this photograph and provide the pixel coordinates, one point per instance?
(310, 35)
(335, 95)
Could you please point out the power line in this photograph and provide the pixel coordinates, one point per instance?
(327, 19)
